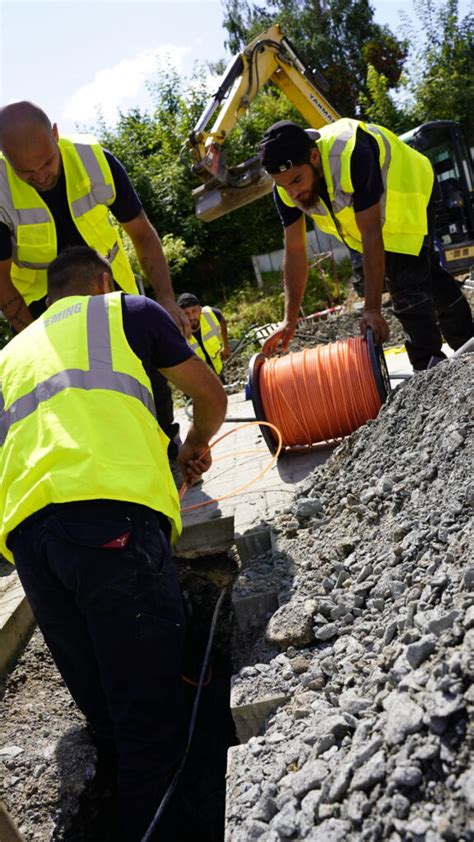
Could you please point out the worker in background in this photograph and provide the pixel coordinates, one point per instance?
(209, 339)
(56, 192)
(88, 506)
(362, 184)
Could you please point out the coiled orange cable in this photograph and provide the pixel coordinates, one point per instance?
(241, 488)
(320, 394)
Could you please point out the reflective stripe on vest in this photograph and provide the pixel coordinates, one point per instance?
(103, 193)
(101, 374)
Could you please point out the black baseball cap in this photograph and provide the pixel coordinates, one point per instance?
(285, 145)
(187, 299)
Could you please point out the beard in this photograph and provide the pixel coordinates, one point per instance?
(311, 198)
(51, 182)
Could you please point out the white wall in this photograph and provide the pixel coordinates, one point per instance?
(316, 242)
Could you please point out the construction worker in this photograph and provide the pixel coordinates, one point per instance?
(88, 506)
(209, 339)
(56, 192)
(362, 184)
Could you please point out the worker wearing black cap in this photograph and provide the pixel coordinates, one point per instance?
(209, 338)
(362, 184)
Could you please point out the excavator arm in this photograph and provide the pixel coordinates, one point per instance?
(269, 56)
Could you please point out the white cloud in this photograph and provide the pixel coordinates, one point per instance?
(122, 85)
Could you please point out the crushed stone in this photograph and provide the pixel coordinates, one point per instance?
(379, 544)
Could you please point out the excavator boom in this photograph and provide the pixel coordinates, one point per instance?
(270, 56)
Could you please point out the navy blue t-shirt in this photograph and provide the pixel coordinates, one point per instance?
(125, 207)
(152, 334)
(366, 180)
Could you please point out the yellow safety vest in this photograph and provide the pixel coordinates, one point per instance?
(77, 418)
(90, 190)
(211, 336)
(407, 179)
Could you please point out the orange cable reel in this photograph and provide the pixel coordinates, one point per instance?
(321, 394)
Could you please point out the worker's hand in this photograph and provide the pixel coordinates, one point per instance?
(375, 320)
(226, 352)
(281, 337)
(178, 315)
(193, 461)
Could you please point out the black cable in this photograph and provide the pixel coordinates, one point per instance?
(169, 792)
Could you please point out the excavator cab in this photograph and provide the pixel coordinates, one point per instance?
(444, 143)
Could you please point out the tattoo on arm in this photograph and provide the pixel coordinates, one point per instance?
(14, 316)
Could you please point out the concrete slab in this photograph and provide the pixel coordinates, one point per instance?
(8, 829)
(251, 611)
(253, 544)
(217, 538)
(249, 718)
(16, 619)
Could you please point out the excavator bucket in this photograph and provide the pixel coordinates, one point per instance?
(212, 202)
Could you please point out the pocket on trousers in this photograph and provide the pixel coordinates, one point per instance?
(158, 597)
(113, 534)
(167, 630)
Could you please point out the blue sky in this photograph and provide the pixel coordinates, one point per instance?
(72, 57)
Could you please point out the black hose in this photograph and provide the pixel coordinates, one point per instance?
(169, 792)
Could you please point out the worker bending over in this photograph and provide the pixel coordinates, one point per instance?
(88, 507)
(362, 184)
(56, 192)
(209, 339)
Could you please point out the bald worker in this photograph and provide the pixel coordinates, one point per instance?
(56, 193)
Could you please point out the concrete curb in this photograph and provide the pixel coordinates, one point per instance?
(16, 620)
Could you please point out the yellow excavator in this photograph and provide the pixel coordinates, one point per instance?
(269, 56)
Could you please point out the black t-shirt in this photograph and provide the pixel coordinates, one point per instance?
(366, 179)
(125, 207)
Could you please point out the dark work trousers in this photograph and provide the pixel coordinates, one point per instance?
(427, 301)
(114, 622)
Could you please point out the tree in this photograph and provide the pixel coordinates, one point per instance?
(207, 258)
(440, 73)
(378, 106)
(337, 37)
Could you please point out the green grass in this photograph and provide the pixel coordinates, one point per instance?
(5, 332)
(250, 305)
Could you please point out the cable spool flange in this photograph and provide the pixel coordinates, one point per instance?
(379, 367)
(255, 366)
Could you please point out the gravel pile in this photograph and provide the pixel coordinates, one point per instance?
(370, 657)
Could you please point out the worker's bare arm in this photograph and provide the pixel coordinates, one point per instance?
(150, 253)
(197, 380)
(369, 223)
(12, 303)
(295, 275)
